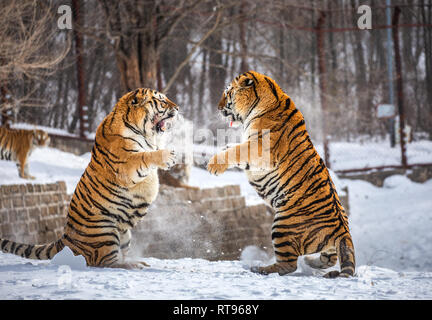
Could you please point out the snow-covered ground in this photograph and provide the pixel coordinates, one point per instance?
(345, 155)
(390, 228)
(48, 165)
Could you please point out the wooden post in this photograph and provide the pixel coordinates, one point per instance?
(399, 85)
(322, 85)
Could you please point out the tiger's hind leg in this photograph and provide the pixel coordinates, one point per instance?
(286, 253)
(102, 250)
(23, 168)
(326, 260)
(280, 267)
(345, 252)
(286, 261)
(125, 241)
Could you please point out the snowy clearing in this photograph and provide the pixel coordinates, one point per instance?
(199, 279)
(390, 228)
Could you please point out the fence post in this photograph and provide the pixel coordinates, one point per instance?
(322, 84)
(391, 121)
(398, 65)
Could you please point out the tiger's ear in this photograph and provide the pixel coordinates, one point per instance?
(133, 98)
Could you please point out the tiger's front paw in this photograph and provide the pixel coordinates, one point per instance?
(217, 168)
(168, 159)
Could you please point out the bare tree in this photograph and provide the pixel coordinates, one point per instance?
(137, 30)
(27, 28)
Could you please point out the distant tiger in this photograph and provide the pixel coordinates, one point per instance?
(18, 144)
(309, 217)
(118, 185)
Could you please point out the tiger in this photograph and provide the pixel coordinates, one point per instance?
(294, 180)
(118, 185)
(18, 144)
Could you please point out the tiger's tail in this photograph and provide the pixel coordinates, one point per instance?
(29, 251)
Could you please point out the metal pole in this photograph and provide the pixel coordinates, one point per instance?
(400, 97)
(391, 122)
(322, 84)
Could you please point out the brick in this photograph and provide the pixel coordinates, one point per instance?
(37, 188)
(51, 187)
(20, 228)
(22, 215)
(45, 198)
(53, 210)
(51, 225)
(43, 226)
(30, 188)
(12, 214)
(17, 201)
(4, 217)
(7, 203)
(11, 189)
(43, 211)
(49, 237)
(31, 200)
(33, 227)
(62, 186)
(34, 213)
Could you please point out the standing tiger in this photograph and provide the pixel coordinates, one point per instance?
(118, 185)
(309, 217)
(18, 144)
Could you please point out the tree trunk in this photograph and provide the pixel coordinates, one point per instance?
(216, 71)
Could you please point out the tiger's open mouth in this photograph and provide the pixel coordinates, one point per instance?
(228, 113)
(165, 124)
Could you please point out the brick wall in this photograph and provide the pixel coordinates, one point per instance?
(33, 213)
(210, 223)
(213, 224)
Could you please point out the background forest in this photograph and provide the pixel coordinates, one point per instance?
(191, 49)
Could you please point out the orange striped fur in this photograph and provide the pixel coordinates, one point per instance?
(309, 217)
(17, 145)
(118, 185)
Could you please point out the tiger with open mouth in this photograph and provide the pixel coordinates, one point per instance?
(295, 182)
(118, 185)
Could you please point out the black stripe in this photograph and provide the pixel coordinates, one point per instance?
(4, 244)
(28, 251)
(272, 87)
